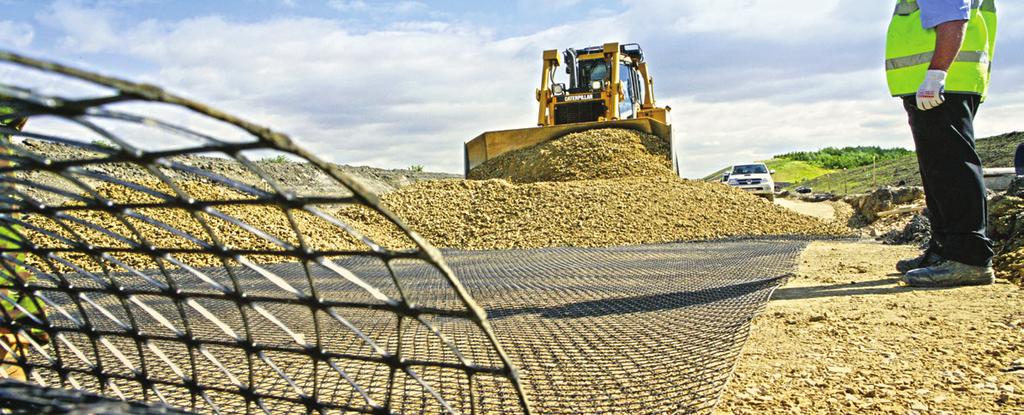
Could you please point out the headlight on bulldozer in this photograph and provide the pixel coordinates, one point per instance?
(596, 85)
(558, 89)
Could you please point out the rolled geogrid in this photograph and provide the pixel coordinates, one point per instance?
(139, 308)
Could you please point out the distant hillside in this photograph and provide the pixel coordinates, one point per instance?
(995, 151)
(845, 158)
(792, 171)
(786, 171)
(805, 165)
(716, 176)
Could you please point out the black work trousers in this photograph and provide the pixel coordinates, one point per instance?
(951, 173)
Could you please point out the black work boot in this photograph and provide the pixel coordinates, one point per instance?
(926, 259)
(950, 273)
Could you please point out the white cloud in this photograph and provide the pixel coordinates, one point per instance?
(84, 29)
(547, 4)
(408, 6)
(392, 98)
(777, 20)
(378, 8)
(409, 94)
(16, 34)
(347, 5)
(429, 26)
(774, 76)
(754, 18)
(713, 135)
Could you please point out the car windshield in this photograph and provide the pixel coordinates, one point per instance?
(592, 70)
(750, 169)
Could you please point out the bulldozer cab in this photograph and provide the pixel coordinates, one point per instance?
(589, 70)
(608, 86)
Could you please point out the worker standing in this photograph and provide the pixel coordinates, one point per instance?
(938, 60)
(13, 275)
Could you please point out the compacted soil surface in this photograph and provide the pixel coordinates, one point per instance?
(842, 337)
(820, 210)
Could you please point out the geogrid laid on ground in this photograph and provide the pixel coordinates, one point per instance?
(159, 292)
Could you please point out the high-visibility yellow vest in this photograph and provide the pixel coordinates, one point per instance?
(910, 48)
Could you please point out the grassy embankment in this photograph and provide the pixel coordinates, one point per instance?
(860, 176)
(800, 166)
(995, 151)
(786, 171)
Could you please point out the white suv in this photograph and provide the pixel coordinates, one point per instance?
(754, 178)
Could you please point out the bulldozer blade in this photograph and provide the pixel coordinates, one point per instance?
(495, 143)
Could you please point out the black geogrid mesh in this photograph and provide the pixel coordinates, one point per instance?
(650, 329)
(263, 322)
(138, 225)
(641, 330)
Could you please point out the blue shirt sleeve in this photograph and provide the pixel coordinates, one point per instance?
(936, 12)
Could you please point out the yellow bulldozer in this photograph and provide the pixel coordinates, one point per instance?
(609, 86)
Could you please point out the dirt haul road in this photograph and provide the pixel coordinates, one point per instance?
(822, 210)
(841, 338)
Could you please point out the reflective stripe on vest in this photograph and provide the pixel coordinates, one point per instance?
(978, 56)
(910, 48)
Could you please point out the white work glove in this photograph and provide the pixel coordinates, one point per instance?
(930, 94)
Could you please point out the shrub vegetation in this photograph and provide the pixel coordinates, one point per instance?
(847, 157)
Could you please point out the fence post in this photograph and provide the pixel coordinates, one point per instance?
(874, 180)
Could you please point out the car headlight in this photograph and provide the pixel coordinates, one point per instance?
(596, 85)
(733, 182)
(558, 89)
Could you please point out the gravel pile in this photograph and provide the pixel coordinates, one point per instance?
(302, 178)
(1006, 229)
(568, 192)
(869, 205)
(319, 234)
(496, 214)
(595, 188)
(608, 153)
(917, 231)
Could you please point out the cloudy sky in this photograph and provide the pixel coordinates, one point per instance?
(397, 83)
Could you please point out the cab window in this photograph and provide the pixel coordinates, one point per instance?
(624, 73)
(592, 70)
